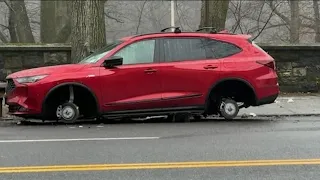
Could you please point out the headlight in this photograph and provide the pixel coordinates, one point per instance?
(30, 79)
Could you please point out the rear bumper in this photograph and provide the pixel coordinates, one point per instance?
(267, 100)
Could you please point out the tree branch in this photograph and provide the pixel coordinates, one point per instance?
(6, 27)
(260, 13)
(8, 5)
(3, 38)
(140, 16)
(253, 30)
(283, 17)
(270, 16)
(113, 18)
(35, 22)
(306, 17)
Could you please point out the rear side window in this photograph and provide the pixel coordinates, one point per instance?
(219, 49)
(183, 49)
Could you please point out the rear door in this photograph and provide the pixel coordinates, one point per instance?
(187, 72)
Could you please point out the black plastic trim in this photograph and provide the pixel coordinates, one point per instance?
(267, 100)
(157, 55)
(156, 111)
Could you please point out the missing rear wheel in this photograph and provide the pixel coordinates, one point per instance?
(229, 108)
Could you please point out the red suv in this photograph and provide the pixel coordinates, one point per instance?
(167, 73)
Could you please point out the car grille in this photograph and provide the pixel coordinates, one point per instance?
(14, 108)
(10, 85)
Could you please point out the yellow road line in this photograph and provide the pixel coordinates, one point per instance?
(166, 165)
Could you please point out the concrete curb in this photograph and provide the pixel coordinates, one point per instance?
(282, 115)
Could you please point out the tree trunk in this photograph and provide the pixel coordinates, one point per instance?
(20, 22)
(214, 13)
(11, 26)
(294, 22)
(88, 27)
(47, 21)
(317, 20)
(55, 21)
(63, 21)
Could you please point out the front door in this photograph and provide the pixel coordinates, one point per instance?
(135, 84)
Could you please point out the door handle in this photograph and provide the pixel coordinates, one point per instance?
(149, 71)
(210, 67)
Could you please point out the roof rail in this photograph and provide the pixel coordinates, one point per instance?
(176, 29)
(212, 29)
(224, 32)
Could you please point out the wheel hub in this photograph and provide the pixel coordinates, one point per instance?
(230, 108)
(67, 112)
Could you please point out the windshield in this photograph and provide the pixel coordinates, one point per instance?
(97, 55)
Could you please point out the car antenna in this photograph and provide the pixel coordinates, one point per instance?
(176, 29)
(213, 30)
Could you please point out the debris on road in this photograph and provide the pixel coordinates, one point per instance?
(290, 100)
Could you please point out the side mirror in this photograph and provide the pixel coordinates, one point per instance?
(113, 61)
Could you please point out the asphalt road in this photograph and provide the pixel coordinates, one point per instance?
(286, 148)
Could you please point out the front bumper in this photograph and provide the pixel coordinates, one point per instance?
(23, 99)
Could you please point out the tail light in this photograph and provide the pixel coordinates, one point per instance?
(268, 63)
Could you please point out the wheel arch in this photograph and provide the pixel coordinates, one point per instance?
(214, 85)
(52, 90)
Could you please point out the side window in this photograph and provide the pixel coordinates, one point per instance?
(219, 49)
(138, 52)
(183, 49)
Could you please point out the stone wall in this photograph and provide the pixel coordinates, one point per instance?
(18, 57)
(298, 66)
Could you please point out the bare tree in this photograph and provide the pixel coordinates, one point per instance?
(289, 19)
(214, 13)
(55, 21)
(12, 26)
(48, 21)
(3, 38)
(88, 27)
(19, 26)
(294, 22)
(140, 15)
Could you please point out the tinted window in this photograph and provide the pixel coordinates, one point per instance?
(219, 49)
(181, 49)
(138, 52)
